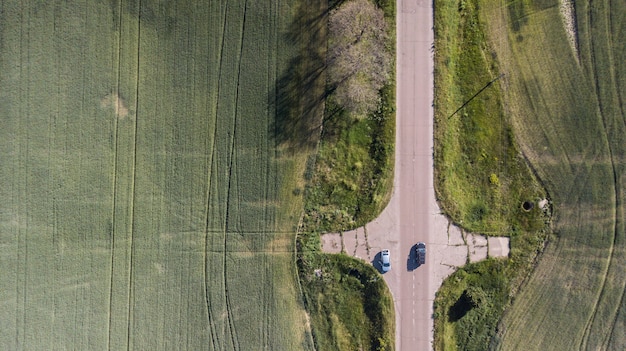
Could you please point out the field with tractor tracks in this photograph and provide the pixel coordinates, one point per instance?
(149, 195)
(565, 78)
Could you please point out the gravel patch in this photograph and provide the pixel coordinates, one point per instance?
(499, 246)
(568, 15)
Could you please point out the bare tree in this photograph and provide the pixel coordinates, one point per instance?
(358, 59)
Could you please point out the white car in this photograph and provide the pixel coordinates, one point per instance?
(384, 261)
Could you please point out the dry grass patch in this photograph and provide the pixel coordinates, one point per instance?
(116, 103)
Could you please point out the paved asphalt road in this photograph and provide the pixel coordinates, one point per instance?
(414, 197)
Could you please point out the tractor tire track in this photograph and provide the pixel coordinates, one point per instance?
(215, 340)
(231, 187)
(615, 321)
(619, 194)
(211, 322)
(617, 223)
(619, 205)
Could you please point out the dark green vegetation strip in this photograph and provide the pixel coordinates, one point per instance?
(567, 109)
(481, 178)
(349, 184)
(353, 175)
(145, 203)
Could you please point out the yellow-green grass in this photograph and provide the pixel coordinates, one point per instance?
(481, 179)
(146, 201)
(469, 304)
(568, 117)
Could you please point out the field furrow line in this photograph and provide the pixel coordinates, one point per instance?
(210, 161)
(229, 310)
(615, 322)
(270, 115)
(601, 293)
(230, 323)
(615, 69)
(211, 322)
(263, 296)
(213, 333)
(618, 192)
(604, 278)
(235, 149)
(620, 99)
(116, 68)
(233, 156)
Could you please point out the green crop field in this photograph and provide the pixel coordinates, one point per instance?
(148, 192)
(567, 107)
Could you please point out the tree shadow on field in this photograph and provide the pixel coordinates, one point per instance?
(301, 88)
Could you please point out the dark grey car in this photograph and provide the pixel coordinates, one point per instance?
(420, 253)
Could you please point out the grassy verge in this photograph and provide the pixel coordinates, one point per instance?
(349, 183)
(350, 305)
(481, 179)
(353, 175)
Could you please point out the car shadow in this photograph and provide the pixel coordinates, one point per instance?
(411, 260)
(376, 263)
